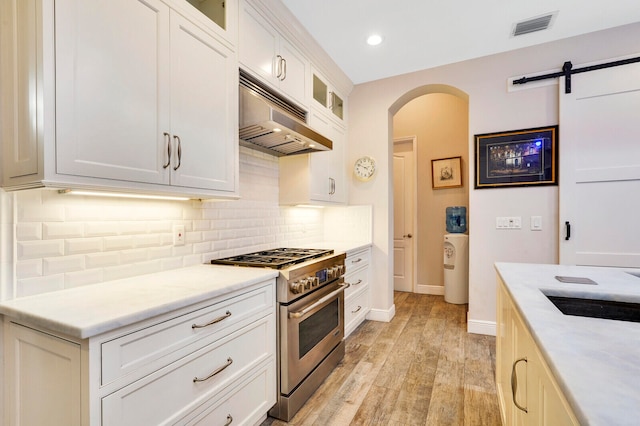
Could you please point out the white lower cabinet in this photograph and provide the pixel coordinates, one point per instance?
(205, 364)
(357, 303)
(528, 393)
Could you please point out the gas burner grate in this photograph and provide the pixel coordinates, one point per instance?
(274, 258)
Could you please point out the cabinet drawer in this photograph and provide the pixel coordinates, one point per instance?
(357, 260)
(357, 280)
(245, 404)
(171, 393)
(152, 347)
(355, 310)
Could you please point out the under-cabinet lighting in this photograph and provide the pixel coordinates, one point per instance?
(309, 206)
(121, 195)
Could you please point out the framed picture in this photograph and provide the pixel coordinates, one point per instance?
(517, 158)
(446, 173)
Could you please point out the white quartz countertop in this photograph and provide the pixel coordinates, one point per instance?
(83, 312)
(595, 361)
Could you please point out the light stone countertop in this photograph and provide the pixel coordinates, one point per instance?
(596, 362)
(86, 311)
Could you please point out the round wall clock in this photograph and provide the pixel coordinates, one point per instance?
(364, 168)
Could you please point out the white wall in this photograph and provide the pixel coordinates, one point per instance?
(65, 241)
(491, 108)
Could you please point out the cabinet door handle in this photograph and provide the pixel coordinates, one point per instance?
(278, 67)
(229, 420)
(357, 310)
(167, 137)
(284, 69)
(332, 186)
(330, 106)
(358, 260)
(568, 235)
(356, 283)
(216, 371)
(177, 138)
(214, 321)
(514, 383)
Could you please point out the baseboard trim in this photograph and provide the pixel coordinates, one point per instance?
(437, 290)
(481, 327)
(381, 314)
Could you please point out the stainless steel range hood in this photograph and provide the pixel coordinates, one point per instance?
(267, 123)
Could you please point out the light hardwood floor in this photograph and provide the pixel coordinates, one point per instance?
(422, 368)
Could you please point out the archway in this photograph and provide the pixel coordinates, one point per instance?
(437, 116)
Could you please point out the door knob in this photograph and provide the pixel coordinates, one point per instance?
(407, 236)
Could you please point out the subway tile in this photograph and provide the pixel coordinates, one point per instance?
(81, 278)
(147, 240)
(159, 252)
(28, 231)
(158, 226)
(55, 230)
(83, 245)
(131, 270)
(38, 285)
(118, 242)
(62, 264)
(135, 255)
(101, 228)
(169, 263)
(203, 247)
(29, 268)
(40, 249)
(100, 260)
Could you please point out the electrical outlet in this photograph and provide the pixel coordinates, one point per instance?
(508, 222)
(178, 235)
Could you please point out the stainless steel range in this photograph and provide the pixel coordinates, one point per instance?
(310, 325)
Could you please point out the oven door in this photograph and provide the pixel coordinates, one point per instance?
(310, 329)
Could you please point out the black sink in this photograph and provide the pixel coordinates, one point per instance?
(594, 308)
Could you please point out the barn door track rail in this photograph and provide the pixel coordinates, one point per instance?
(568, 71)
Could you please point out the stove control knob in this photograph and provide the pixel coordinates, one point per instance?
(296, 287)
(340, 269)
(315, 281)
(304, 284)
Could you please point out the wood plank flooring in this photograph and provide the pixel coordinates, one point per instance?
(422, 368)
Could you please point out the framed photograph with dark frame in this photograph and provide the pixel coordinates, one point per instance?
(446, 173)
(517, 158)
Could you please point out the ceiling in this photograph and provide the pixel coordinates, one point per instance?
(420, 34)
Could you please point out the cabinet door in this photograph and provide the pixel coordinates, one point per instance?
(112, 78)
(296, 67)
(337, 164)
(320, 162)
(43, 379)
(204, 109)
(258, 44)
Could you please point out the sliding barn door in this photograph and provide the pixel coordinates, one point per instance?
(599, 177)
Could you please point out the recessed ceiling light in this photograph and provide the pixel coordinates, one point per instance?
(374, 40)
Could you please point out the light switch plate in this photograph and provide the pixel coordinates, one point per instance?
(536, 223)
(178, 235)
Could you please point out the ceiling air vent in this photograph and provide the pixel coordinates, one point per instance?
(538, 23)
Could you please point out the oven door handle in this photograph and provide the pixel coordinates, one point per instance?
(319, 302)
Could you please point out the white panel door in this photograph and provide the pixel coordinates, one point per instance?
(403, 208)
(204, 109)
(600, 168)
(296, 73)
(112, 75)
(259, 43)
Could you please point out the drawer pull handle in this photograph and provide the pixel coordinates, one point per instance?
(514, 383)
(217, 320)
(357, 260)
(229, 420)
(217, 371)
(357, 310)
(356, 283)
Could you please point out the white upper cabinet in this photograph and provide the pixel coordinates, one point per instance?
(268, 55)
(326, 96)
(133, 96)
(318, 178)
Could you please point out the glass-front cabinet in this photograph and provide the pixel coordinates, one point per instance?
(212, 9)
(326, 96)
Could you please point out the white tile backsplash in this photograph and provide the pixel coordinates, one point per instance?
(65, 241)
